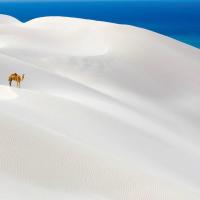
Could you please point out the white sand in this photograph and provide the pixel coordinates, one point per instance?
(106, 112)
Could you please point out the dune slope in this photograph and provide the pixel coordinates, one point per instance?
(106, 112)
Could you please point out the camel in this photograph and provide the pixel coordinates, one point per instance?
(15, 77)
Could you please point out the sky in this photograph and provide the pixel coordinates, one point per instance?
(96, 0)
(91, 0)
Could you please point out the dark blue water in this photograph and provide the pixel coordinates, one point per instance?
(180, 20)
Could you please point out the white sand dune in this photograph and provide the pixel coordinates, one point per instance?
(106, 112)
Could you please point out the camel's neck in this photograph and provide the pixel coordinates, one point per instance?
(22, 77)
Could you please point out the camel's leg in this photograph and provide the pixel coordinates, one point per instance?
(10, 83)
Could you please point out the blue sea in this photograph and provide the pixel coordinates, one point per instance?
(179, 20)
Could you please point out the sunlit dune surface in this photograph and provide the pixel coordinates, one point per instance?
(105, 112)
(7, 94)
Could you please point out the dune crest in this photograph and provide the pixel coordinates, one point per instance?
(6, 19)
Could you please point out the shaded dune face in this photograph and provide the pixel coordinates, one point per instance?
(106, 112)
(70, 42)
